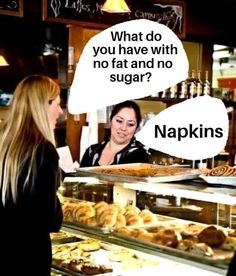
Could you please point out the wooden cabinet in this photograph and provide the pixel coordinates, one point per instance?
(78, 37)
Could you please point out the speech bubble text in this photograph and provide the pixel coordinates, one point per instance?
(121, 49)
(194, 129)
(130, 60)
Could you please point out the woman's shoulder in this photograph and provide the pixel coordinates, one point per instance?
(47, 150)
(97, 146)
(134, 144)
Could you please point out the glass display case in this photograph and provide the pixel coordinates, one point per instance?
(187, 222)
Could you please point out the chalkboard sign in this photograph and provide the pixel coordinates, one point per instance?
(10, 7)
(88, 12)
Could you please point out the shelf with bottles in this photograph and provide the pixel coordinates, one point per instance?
(192, 87)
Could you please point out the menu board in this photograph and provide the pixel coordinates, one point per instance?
(169, 13)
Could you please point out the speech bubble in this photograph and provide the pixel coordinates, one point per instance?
(194, 129)
(130, 60)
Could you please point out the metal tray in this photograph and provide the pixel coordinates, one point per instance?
(220, 180)
(186, 173)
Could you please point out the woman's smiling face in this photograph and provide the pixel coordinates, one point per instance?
(123, 126)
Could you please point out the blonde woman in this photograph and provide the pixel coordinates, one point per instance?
(29, 178)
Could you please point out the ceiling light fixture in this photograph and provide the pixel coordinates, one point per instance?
(115, 6)
(3, 61)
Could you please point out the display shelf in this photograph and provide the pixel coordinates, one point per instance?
(188, 189)
(174, 261)
(164, 100)
(217, 199)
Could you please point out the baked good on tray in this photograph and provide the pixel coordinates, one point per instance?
(201, 249)
(87, 267)
(212, 236)
(57, 236)
(148, 171)
(223, 170)
(104, 215)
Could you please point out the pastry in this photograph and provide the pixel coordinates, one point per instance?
(201, 249)
(108, 217)
(212, 236)
(120, 221)
(89, 245)
(147, 216)
(229, 244)
(136, 232)
(133, 220)
(83, 209)
(166, 237)
(67, 210)
(55, 236)
(146, 237)
(124, 231)
(93, 269)
(120, 255)
(100, 204)
(185, 245)
(195, 248)
(155, 229)
(119, 208)
(131, 209)
(91, 221)
(223, 170)
(131, 263)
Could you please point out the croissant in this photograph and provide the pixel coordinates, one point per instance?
(120, 221)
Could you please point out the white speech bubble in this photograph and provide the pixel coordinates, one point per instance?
(194, 129)
(129, 60)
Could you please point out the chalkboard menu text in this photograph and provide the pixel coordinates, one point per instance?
(88, 12)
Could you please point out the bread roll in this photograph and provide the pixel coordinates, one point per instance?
(166, 237)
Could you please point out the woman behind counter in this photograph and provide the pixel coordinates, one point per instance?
(29, 174)
(121, 147)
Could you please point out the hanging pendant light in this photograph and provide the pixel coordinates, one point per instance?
(3, 61)
(115, 6)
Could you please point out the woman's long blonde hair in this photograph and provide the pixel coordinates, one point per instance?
(26, 126)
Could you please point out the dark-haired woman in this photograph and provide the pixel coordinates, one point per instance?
(121, 147)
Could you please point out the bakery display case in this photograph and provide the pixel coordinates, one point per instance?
(173, 215)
